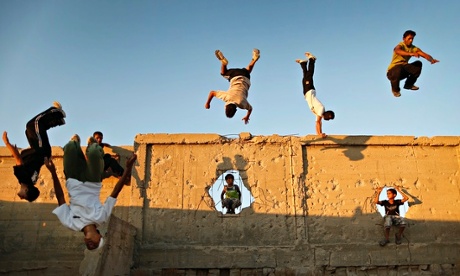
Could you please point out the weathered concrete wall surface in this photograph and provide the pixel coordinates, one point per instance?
(312, 214)
(32, 240)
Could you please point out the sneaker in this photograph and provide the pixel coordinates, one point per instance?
(413, 87)
(398, 239)
(221, 57)
(396, 93)
(75, 138)
(384, 242)
(310, 56)
(59, 106)
(255, 54)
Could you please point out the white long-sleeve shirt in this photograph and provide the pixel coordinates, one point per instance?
(85, 207)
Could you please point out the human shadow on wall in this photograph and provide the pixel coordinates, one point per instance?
(415, 201)
(353, 146)
(239, 163)
(120, 154)
(54, 249)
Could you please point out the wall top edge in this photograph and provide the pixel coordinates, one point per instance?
(59, 151)
(310, 140)
(212, 138)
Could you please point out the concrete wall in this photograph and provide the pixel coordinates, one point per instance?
(312, 214)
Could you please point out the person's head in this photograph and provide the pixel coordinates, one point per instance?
(329, 115)
(98, 136)
(229, 178)
(230, 110)
(93, 238)
(29, 193)
(391, 193)
(408, 37)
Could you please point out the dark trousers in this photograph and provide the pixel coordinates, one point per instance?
(307, 80)
(112, 163)
(36, 130)
(410, 72)
(82, 168)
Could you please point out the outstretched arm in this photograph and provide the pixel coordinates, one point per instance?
(319, 129)
(398, 50)
(13, 149)
(56, 183)
(427, 56)
(246, 118)
(125, 177)
(211, 95)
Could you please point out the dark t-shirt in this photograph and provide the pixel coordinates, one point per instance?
(27, 173)
(391, 209)
(234, 72)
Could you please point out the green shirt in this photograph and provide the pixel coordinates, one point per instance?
(232, 192)
(398, 59)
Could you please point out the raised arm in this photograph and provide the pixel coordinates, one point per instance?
(13, 149)
(125, 177)
(56, 183)
(211, 95)
(405, 197)
(377, 194)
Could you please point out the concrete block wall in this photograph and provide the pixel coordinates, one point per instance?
(312, 213)
(313, 210)
(32, 240)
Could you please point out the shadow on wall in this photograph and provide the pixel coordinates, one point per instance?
(216, 189)
(30, 232)
(352, 146)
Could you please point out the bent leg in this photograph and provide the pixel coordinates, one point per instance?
(395, 75)
(112, 163)
(236, 203)
(36, 129)
(413, 70)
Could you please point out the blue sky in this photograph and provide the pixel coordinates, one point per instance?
(128, 67)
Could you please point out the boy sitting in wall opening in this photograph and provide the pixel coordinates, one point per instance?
(232, 194)
(392, 214)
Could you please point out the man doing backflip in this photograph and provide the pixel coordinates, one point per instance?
(30, 160)
(309, 93)
(237, 94)
(83, 181)
(399, 67)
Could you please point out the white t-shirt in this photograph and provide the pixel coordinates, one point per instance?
(85, 206)
(315, 105)
(237, 93)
